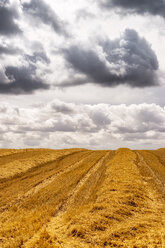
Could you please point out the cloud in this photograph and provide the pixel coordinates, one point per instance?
(20, 80)
(138, 119)
(38, 56)
(139, 7)
(100, 126)
(8, 17)
(128, 60)
(8, 50)
(25, 77)
(83, 14)
(100, 118)
(61, 107)
(42, 11)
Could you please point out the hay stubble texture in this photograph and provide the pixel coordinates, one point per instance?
(77, 198)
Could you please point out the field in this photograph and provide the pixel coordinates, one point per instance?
(78, 198)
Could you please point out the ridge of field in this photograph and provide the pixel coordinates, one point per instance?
(77, 198)
(19, 162)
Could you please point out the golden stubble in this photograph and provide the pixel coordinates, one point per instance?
(82, 198)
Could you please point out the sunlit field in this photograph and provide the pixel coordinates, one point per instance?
(82, 198)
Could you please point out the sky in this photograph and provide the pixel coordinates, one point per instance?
(85, 73)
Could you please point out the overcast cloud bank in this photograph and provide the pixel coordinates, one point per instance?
(59, 124)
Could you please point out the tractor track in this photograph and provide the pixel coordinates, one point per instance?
(152, 176)
(45, 182)
(69, 201)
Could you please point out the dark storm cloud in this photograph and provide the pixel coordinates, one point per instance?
(38, 56)
(128, 60)
(88, 63)
(8, 15)
(22, 80)
(154, 7)
(7, 50)
(42, 11)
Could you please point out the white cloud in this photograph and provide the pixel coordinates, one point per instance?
(100, 126)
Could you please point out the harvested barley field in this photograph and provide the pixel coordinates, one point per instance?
(78, 198)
